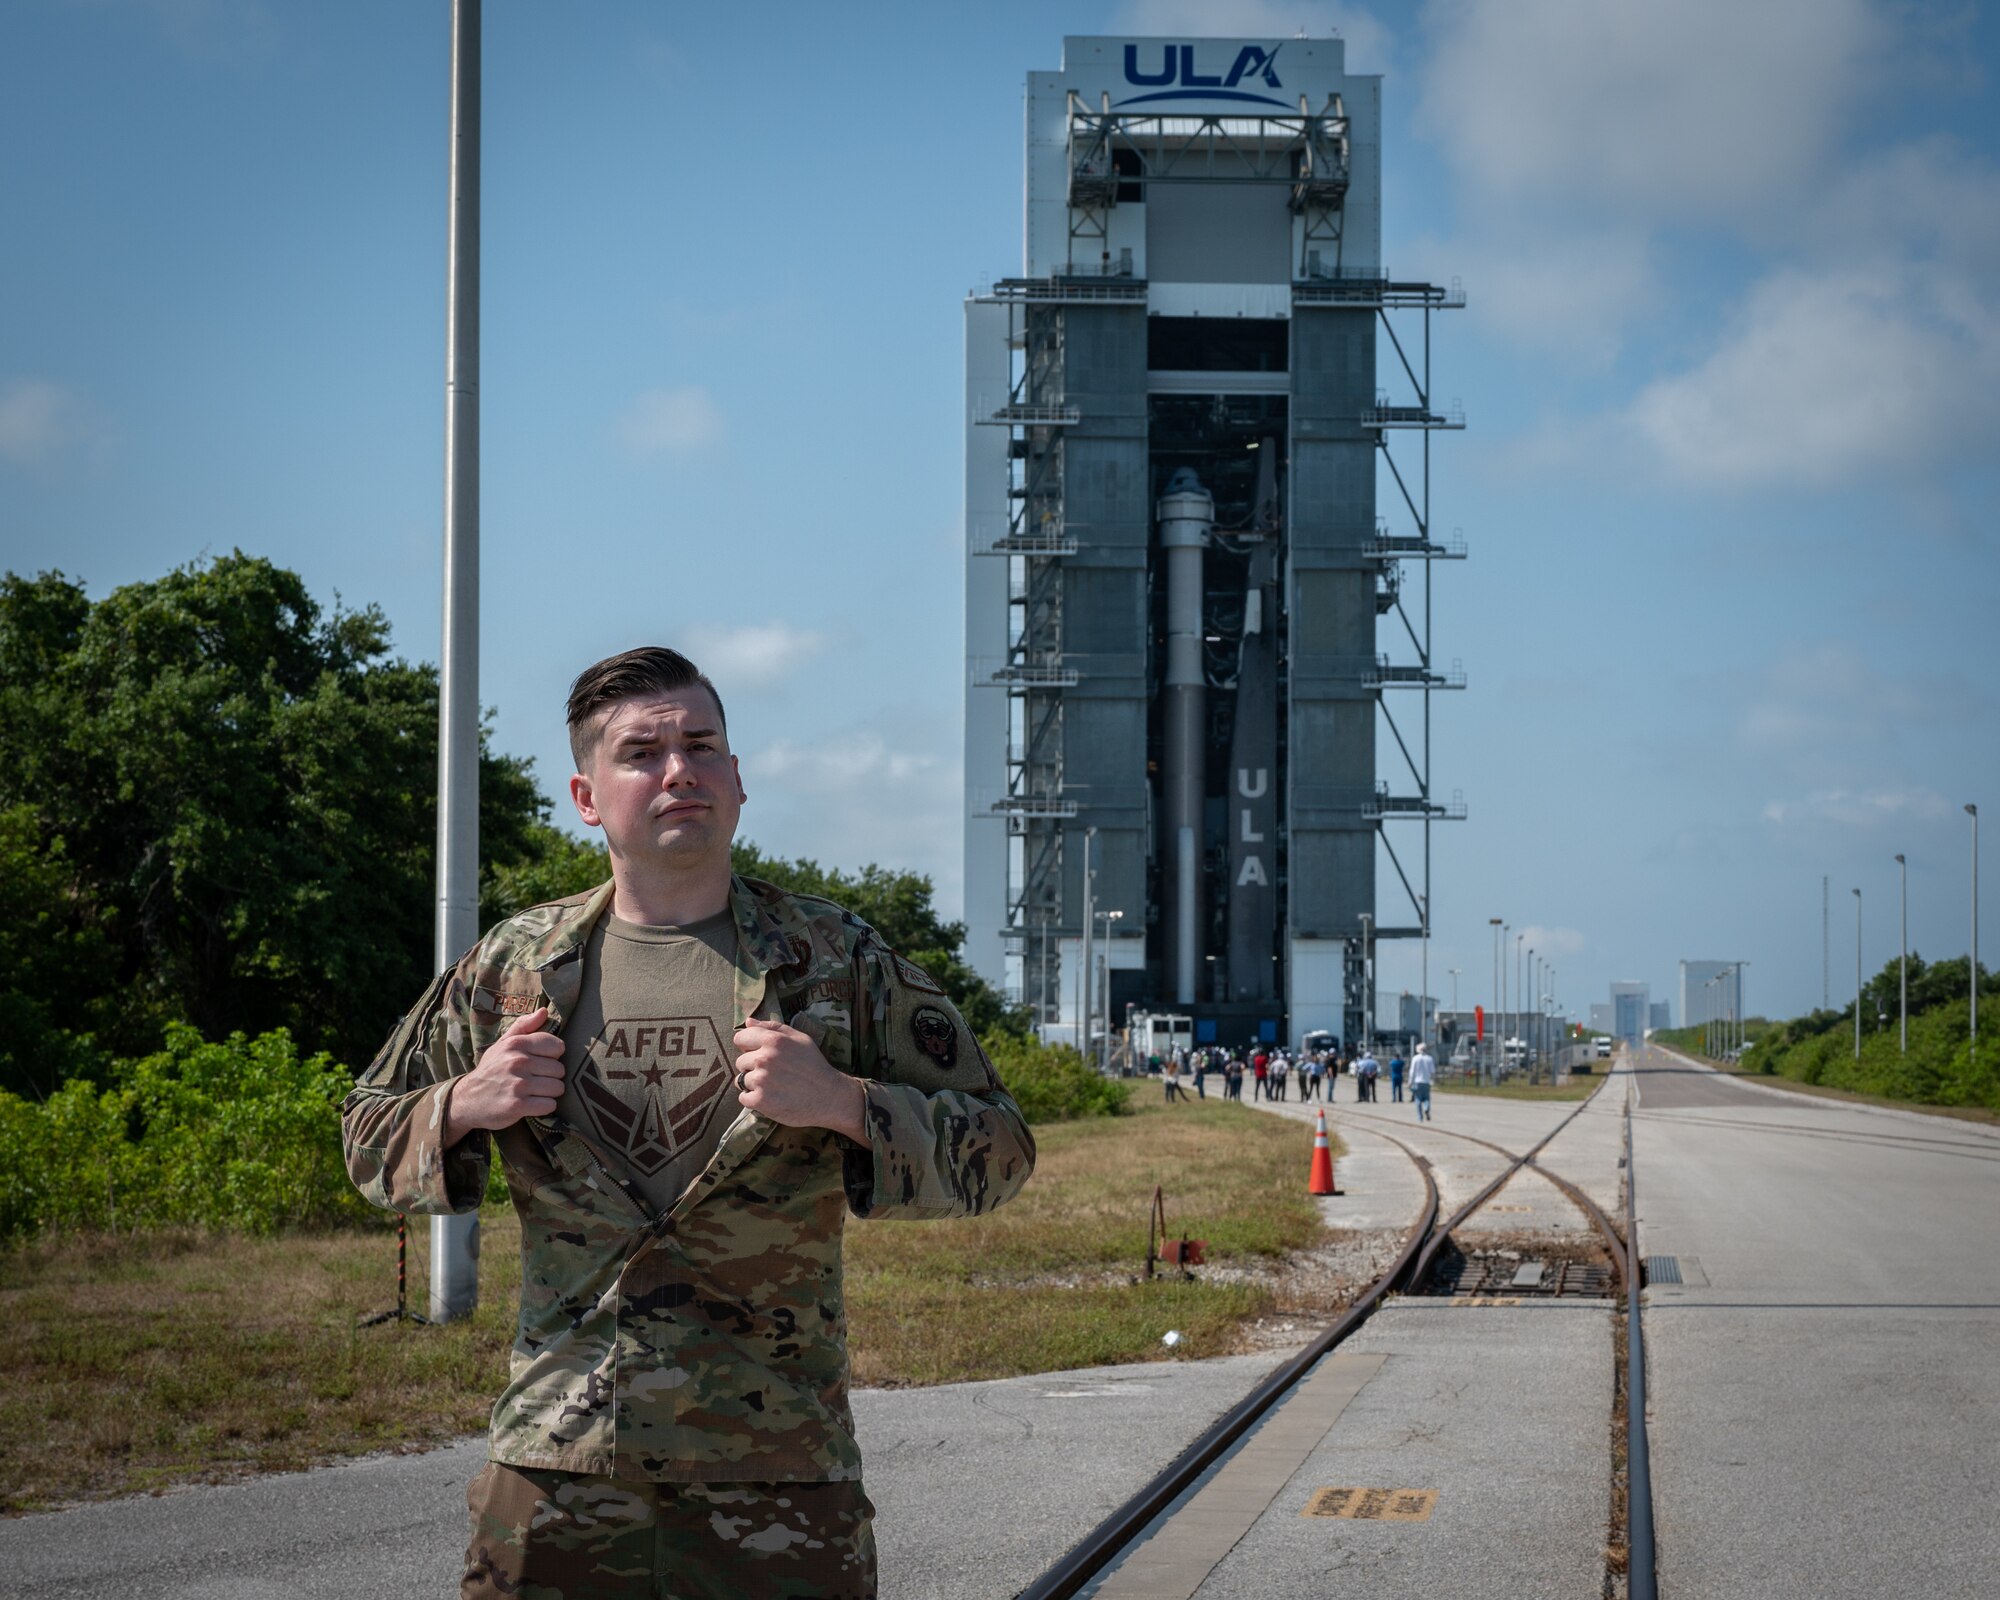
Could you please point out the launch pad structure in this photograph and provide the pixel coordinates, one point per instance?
(1190, 641)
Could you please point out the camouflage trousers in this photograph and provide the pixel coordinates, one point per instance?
(565, 1536)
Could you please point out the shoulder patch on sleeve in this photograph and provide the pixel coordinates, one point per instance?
(936, 1035)
(916, 977)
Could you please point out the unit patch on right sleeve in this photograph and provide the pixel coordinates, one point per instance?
(936, 1035)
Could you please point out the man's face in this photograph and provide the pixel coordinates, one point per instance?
(661, 782)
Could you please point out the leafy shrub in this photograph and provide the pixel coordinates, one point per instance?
(244, 1134)
(1053, 1083)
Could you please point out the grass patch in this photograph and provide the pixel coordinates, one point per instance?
(136, 1361)
(1041, 1285)
(140, 1360)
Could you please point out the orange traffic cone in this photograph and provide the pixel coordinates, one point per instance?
(1321, 1181)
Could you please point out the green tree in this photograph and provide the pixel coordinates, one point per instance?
(242, 785)
(898, 906)
(46, 936)
(553, 866)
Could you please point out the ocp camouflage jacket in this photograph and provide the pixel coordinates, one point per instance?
(707, 1344)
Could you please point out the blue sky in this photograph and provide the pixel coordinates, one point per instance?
(1730, 362)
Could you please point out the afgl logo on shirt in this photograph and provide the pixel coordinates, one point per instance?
(656, 1083)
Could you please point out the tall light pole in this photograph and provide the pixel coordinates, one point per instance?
(1424, 969)
(1742, 1012)
(455, 1240)
(1492, 1045)
(1084, 996)
(1857, 974)
(1367, 984)
(1973, 812)
(1100, 989)
(1456, 974)
(1520, 992)
(1903, 1005)
(1555, 1048)
(1535, 992)
(1529, 993)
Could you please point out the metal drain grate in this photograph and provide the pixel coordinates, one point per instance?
(1488, 1276)
(1663, 1269)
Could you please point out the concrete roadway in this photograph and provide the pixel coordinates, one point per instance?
(1825, 1397)
(1825, 1389)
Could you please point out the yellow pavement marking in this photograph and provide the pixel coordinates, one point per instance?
(1373, 1505)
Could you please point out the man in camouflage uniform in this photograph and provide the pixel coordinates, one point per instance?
(676, 1418)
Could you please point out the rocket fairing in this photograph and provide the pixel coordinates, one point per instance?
(1187, 513)
(1253, 757)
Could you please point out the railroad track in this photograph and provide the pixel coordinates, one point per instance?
(1427, 1235)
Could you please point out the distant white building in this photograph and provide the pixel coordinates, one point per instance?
(1631, 1011)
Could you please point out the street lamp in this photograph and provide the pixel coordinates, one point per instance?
(1100, 990)
(1367, 985)
(1499, 932)
(1903, 1006)
(1520, 988)
(1857, 974)
(1085, 999)
(1535, 994)
(1973, 812)
(1742, 1012)
(1456, 973)
(1424, 966)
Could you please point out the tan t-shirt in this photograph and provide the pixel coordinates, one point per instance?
(647, 1054)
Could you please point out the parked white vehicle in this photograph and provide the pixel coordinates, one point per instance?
(1160, 1033)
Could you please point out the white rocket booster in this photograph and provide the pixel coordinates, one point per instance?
(1187, 513)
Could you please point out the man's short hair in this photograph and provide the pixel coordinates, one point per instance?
(649, 670)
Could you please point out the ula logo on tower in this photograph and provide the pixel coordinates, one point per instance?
(1177, 68)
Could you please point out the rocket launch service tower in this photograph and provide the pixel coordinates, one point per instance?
(1197, 728)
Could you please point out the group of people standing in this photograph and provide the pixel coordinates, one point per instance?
(1273, 1070)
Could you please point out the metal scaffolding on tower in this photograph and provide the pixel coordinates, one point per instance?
(1410, 409)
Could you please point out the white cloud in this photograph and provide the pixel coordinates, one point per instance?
(1368, 41)
(210, 32)
(1700, 109)
(1548, 942)
(855, 798)
(1569, 290)
(38, 421)
(1929, 198)
(1823, 720)
(757, 656)
(673, 422)
(1860, 808)
(1825, 378)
